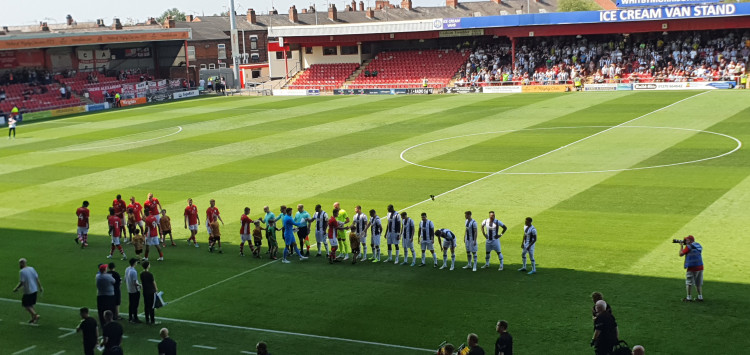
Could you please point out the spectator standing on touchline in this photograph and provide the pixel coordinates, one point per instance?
(29, 280)
(504, 343)
(167, 346)
(692, 252)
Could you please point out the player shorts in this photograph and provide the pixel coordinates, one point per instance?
(257, 242)
(28, 299)
(471, 245)
(116, 240)
(158, 218)
(165, 232)
(694, 278)
(140, 224)
(362, 237)
(428, 245)
(208, 227)
(449, 243)
(246, 237)
(153, 241)
(526, 249)
(321, 236)
(492, 245)
(303, 232)
(376, 240)
(408, 243)
(289, 240)
(193, 227)
(333, 241)
(392, 238)
(272, 242)
(83, 230)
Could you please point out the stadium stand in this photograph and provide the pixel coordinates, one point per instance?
(408, 69)
(687, 56)
(324, 76)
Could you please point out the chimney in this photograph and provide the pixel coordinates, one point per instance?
(251, 16)
(189, 18)
(273, 11)
(116, 24)
(304, 11)
(43, 26)
(332, 15)
(406, 4)
(354, 5)
(169, 22)
(497, 1)
(151, 21)
(348, 8)
(370, 13)
(451, 3)
(361, 6)
(69, 20)
(293, 14)
(312, 9)
(5, 29)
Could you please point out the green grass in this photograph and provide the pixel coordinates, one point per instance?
(607, 231)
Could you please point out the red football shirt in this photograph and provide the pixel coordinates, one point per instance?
(333, 224)
(152, 206)
(210, 213)
(192, 214)
(153, 226)
(116, 223)
(119, 206)
(83, 216)
(137, 208)
(246, 222)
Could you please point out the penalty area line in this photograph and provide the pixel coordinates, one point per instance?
(432, 198)
(223, 281)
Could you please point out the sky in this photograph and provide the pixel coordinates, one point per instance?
(18, 13)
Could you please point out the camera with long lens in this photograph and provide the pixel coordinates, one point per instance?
(678, 241)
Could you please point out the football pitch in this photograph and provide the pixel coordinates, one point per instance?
(609, 178)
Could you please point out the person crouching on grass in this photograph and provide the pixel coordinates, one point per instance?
(215, 237)
(354, 242)
(257, 239)
(166, 228)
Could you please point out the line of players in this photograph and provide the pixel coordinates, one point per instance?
(400, 231)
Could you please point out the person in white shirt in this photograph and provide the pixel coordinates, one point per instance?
(427, 238)
(408, 239)
(29, 280)
(527, 245)
(470, 238)
(360, 227)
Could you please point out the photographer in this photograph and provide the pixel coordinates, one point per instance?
(694, 265)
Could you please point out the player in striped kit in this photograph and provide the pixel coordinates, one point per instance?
(470, 238)
(321, 222)
(448, 241)
(360, 227)
(376, 229)
(527, 245)
(393, 234)
(426, 238)
(408, 243)
(491, 231)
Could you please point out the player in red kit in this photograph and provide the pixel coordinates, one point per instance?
(137, 213)
(212, 212)
(83, 224)
(115, 225)
(153, 206)
(120, 207)
(333, 228)
(192, 221)
(152, 235)
(246, 232)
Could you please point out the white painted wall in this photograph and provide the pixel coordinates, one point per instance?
(278, 67)
(317, 57)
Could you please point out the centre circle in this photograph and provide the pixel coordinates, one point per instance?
(736, 148)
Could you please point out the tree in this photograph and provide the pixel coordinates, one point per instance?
(176, 14)
(577, 5)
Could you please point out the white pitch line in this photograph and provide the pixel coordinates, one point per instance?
(552, 151)
(29, 324)
(247, 352)
(25, 350)
(295, 334)
(250, 328)
(69, 332)
(154, 340)
(179, 129)
(204, 347)
(739, 145)
(223, 281)
(59, 352)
